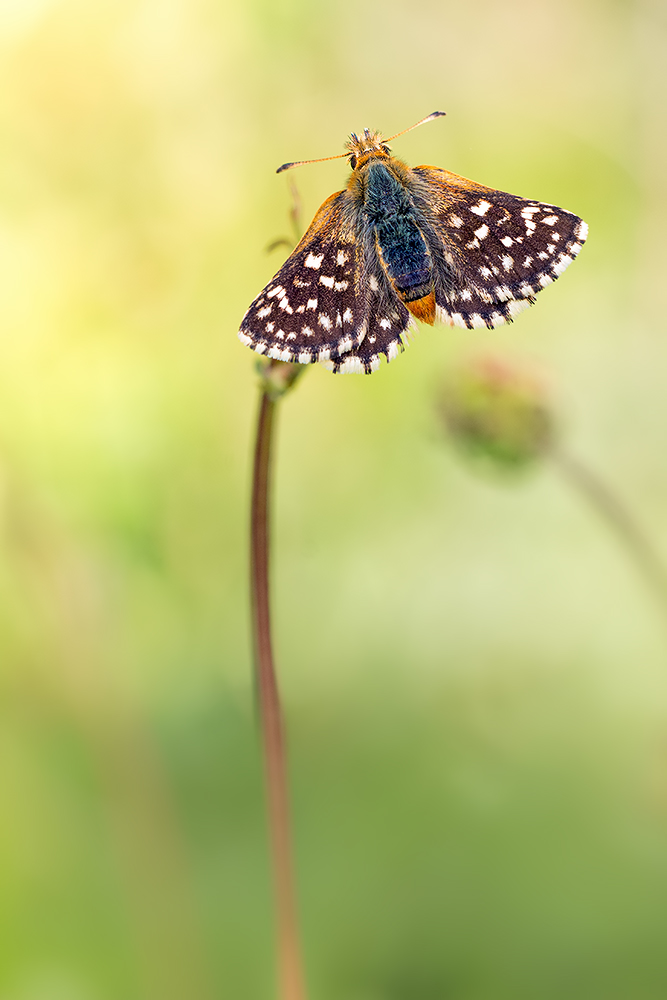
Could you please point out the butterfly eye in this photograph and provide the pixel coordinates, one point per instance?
(385, 149)
(353, 161)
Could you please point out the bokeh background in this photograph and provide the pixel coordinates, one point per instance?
(474, 674)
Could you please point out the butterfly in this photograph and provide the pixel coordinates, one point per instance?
(400, 244)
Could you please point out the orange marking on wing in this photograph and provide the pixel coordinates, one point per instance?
(446, 178)
(423, 309)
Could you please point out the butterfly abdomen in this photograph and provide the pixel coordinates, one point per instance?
(400, 245)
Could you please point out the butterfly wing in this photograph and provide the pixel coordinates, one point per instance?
(492, 251)
(313, 309)
(386, 325)
(385, 321)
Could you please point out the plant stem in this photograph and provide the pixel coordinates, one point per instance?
(617, 515)
(291, 977)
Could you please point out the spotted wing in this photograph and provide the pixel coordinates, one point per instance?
(385, 325)
(314, 308)
(492, 251)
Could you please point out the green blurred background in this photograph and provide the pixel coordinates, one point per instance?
(474, 676)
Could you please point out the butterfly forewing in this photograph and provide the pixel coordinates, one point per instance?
(312, 309)
(492, 251)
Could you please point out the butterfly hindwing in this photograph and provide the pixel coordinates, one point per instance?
(492, 251)
(385, 321)
(384, 338)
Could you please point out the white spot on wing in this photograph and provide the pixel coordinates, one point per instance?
(342, 258)
(481, 208)
(443, 316)
(529, 211)
(313, 260)
(562, 262)
(312, 304)
(517, 306)
(482, 231)
(280, 355)
(326, 280)
(351, 366)
(347, 315)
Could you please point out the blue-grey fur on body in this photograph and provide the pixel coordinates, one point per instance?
(390, 211)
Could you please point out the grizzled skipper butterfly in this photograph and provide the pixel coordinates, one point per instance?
(402, 242)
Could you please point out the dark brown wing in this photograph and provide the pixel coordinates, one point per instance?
(312, 309)
(492, 251)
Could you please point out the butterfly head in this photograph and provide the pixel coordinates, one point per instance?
(364, 147)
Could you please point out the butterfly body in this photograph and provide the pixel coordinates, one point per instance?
(401, 242)
(391, 218)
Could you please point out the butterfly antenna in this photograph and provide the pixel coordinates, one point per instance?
(429, 118)
(301, 163)
(341, 156)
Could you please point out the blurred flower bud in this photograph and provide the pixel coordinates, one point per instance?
(497, 410)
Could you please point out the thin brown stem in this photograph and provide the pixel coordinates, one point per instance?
(621, 520)
(290, 964)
